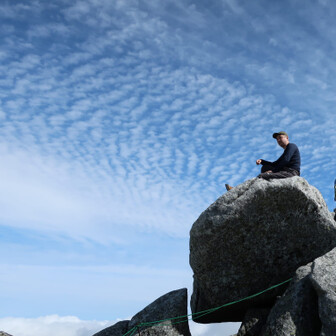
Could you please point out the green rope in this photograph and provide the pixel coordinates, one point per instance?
(240, 300)
(203, 312)
(131, 331)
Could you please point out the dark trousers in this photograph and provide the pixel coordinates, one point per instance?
(286, 172)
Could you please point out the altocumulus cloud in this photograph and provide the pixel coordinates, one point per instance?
(120, 121)
(121, 129)
(114, 156)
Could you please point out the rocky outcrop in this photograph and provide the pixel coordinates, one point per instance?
(168, 306)
(255, 236)
(308, 307)
(2, 333)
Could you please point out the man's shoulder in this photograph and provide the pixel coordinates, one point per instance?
(292, 145)
(293, 149)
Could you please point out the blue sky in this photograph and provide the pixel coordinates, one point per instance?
(121, 121)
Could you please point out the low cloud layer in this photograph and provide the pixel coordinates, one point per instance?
(54, 325)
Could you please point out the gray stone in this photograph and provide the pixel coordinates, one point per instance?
(324, 282)
(253, 322)
(166, 329)
(255, 236)
(171, 305)
(308, 307)
(168, 306)
(295, 313)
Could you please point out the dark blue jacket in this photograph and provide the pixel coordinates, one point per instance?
(289, 159)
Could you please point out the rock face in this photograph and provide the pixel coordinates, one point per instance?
(253, 237)
(118, 329)
(308, 306)
(170, 305)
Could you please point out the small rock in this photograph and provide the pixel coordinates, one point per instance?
(168, 306)
(253, 322)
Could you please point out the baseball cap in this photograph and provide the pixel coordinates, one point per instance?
(279, 133)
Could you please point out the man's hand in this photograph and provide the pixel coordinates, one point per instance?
(258, 162)
(268, 171)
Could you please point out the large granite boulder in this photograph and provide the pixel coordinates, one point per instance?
(308, 306)
(253, 237)
(168, 306)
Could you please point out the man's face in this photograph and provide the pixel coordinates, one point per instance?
(282, 140)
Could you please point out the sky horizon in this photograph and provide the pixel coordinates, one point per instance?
(121, 121)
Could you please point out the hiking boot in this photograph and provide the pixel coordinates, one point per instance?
(228, 187)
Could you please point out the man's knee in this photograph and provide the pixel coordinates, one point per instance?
(278, 175)
(266, 168)
(265, 176)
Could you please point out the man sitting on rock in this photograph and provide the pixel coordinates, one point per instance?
(287, 165)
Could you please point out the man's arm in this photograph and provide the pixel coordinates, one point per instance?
(263, 162)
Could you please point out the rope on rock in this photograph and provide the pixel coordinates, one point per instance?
(201, 313)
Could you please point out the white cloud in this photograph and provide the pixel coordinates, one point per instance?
(52, 325)
(88, 151)
(57, 196)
